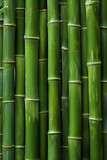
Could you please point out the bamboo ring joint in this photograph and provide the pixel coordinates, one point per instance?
(91, 3)
(75, 138)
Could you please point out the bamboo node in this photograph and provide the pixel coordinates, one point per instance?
(33, 100)
(43, 112)
(65, 147)
(104, 81)
(54, 21)
(12, 146)
(52, 133)
(16, 95)
(20, 8)
(1, 68)
(74, 82)
(53, 79)
(103, 27)
(42, 60)
(8, 61)
(1, 134)
(10, 101)
(104, 132)
(64, 48)
(83, 28)
(19, 147)
(63, 3)
(1, 26)
(84, 77)
(10, 25)
(65, 98)
(73, 25)
(91, 3)
(34, 38)
(76, 138)
(93, 63)
(93, 119)
(43, 10)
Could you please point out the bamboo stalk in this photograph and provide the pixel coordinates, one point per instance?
(31, 72)
(74, 138)
(85, 106)
(104, 72)
(20, 86)
(94, 74)
(65, 99)
(1, 80)
(43, 76)
(54, 132)
(8, 80)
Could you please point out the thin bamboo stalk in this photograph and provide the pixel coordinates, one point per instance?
(20, 86)
(1, 79)
(94, 74)
(54, 132)
(74, 138)
(31, 74)
(65, 99)
(104, 72)
(85, 104)
(8, 80)
(43, 76)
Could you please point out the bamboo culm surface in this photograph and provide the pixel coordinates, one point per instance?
(94, 81)
(31, 80)
(74, 137)
(85, 103)
(20, 82)
(1, 80)
(8, 80)
(54, 131)
(43, 76)
(65, 98)
(104, 73)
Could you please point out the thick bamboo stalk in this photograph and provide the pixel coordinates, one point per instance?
(104, 72)
(65, 99)
(20, 79)
(94, 74)
(54, 132)
(85, 106)
(1, 79)
(31, 74)
(8, 80)
(43, 76)
(74, 138)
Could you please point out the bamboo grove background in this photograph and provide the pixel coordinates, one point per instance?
(53, 79)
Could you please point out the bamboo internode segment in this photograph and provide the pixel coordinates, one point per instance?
(94, 81)
(104, 73)
(8, 74)
(20, 82)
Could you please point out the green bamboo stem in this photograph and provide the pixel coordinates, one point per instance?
(20, 86)
(94, 74)
(54, 132)
(74, 138)
(85, 106)
(8, 79)
(31, 74)
(65, 99)
(104, 72)
(43, 76)
(1, 80)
